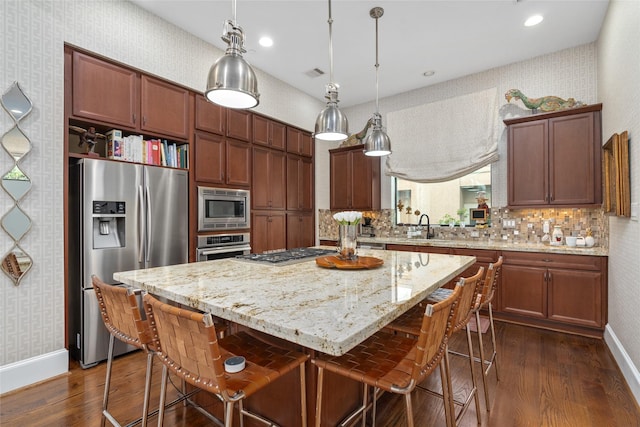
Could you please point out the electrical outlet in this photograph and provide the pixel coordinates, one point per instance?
(516, 232)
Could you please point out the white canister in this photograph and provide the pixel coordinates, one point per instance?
(556, 236)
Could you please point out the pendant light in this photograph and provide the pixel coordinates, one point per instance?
(331, 124)
(377, 143)
(232, 82)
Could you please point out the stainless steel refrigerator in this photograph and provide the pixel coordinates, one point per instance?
(122, 216)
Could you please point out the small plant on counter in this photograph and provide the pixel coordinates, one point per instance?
(448, 220)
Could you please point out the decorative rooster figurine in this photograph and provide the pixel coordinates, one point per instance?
(546, 103)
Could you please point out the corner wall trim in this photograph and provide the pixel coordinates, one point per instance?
(629, 370)
(33, 370)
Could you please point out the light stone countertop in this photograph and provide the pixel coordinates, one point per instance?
(328, 310)
(487, 244)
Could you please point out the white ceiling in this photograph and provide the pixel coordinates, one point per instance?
(454, 38)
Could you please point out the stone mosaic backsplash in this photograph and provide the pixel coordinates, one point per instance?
(527, 225)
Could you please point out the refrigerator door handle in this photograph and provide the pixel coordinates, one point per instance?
(141, 231)
(147, 250)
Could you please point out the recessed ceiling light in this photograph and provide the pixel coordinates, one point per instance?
(266, 41)
(533, 20)
(428, 73)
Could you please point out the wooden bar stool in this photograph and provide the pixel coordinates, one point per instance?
(187, 344)
(121, 316)
(410, 324)
(394, 363)
(487, 294)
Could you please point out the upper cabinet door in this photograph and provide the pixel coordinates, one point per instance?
(210, 117)
(528, 164)
(104, 92)
(164, 108)
(239, 124)
(269, 133)
(572, 163)
(299, 142)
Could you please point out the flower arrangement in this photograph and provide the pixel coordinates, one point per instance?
(347, 242)
(348, 217)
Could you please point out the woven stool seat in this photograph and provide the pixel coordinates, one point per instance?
(188, 345)
(410, 324)
(393, 363)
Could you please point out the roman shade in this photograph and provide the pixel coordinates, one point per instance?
(446, 139)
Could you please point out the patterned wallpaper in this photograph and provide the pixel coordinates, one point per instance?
(32, 314)
(33, 35)
(619, 92)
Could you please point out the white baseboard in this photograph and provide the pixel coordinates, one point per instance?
(33, 370)
(629, 370)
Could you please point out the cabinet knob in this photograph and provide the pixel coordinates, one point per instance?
(144, 120)
(134, 117)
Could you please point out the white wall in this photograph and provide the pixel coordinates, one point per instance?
(32, 329)
(619, 91)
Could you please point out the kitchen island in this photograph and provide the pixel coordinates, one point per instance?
(314, 308)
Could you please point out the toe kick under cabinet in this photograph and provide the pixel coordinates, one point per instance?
(560, 292)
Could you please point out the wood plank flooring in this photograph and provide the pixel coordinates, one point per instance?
(546, 379)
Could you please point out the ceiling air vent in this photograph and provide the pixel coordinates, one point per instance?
(316, 72)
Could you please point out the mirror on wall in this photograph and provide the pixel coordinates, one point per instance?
(15, 182)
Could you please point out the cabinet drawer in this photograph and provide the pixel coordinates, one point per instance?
(574, 262)
(482, 255)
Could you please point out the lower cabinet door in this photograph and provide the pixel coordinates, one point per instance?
(575, 297)
(524, 291)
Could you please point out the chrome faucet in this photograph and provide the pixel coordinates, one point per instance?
(429, 233)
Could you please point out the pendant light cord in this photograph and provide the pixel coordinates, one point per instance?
(377, 66)
(234, 12)
(330, 21)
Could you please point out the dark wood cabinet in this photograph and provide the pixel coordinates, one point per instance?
(268, 231)
(269, 133)
(564, 292)
(299, 142)
(239, 124)
(115, 95)
(554, 159)
(300, 194)
(269, 179)
(300, 230)
(355, 179)
(222, 161)
(164, 108)
(210, 117)
(104, 92)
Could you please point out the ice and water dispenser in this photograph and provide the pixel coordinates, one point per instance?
(109, 221)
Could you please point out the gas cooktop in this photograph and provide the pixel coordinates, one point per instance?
(288, 257)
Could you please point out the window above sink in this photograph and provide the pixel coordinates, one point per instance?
(445, 203)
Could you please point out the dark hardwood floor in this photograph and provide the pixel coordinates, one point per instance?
(546, 379)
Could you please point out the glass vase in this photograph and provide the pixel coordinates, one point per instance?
(347, 242)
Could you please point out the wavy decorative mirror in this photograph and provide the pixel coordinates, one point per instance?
(16, 262)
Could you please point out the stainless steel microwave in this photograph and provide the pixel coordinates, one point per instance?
(223, 209)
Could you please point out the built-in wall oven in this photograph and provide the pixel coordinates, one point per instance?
(220, 246)
(223, 209)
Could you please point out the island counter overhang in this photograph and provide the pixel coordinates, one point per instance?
(327, 310)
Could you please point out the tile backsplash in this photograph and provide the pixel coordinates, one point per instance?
(527, 225)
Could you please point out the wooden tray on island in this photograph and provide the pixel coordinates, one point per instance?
(362, 262)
